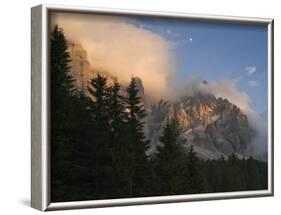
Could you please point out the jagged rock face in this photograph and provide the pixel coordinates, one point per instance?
(81, 70)
(80, 66)
(141, 94)
(214, 126)
(140, 87)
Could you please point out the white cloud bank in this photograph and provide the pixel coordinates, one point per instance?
(122, 49)
(227, 89)
(116, 46)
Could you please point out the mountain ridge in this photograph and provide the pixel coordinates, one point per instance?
(213, 126)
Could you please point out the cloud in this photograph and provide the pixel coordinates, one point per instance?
(227, 89)
(250, 70)
(253, 83)
(116, 46)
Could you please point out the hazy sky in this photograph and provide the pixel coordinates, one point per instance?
(217, 52)
(168, 53)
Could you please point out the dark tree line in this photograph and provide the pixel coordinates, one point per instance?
(98, 146)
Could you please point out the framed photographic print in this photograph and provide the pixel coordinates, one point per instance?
(140, 107)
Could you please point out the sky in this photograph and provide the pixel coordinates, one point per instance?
(217, 52)
(167, 53)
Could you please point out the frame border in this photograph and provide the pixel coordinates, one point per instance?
(40, 121)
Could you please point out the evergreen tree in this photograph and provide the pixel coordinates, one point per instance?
(194, 177)
(117, 115)
(99, 105)
(119, 144)
(101, 143)
(137, 143)
(233, 174)
(169, 161)
(62, 85)
(170, 148)
(253, 174)
(61, 115)
(81, 173)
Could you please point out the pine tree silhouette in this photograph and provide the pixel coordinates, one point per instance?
(170, 161)
(137, 142)
(61, 115)
(194, 176)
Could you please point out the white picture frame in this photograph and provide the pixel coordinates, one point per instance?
(40, 171)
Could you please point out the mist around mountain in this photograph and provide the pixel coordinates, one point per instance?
(110, 140)
(214, 126)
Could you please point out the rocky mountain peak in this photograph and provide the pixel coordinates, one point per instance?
(140, 87)
(214, 126)
(80, 66)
